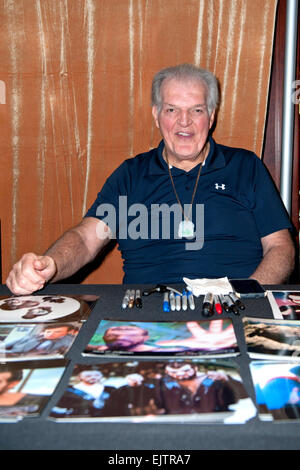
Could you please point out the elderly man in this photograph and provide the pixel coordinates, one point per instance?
(205, 210)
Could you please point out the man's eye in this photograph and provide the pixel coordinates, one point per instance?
(170, 110)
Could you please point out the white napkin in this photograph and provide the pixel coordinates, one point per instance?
(205, 286)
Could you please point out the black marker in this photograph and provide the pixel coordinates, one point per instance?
(232, 307)
(131, 299)
(126, 299)
(237, 301)
(224, 303)
(138, 299)
(208, 305)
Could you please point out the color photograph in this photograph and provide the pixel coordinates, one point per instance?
(44, 308)
(272, 338)
(26, 388)
(37, 341)
(209, 338)
(277, 389)
(285, 304)
(164, 390)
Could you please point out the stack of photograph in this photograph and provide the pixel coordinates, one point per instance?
(274, 347)
(36, 334)
(158, 372)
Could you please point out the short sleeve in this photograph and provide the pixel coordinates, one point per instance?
(116, 185)
(268, 209)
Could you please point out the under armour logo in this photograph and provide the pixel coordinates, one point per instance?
(220, 186)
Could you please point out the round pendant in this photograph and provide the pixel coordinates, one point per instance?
(186, 229)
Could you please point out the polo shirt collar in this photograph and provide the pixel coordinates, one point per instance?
(214, 160)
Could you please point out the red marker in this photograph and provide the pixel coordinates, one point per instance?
(218, 305)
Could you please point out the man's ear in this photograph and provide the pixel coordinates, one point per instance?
(212, 118)
(155, 115)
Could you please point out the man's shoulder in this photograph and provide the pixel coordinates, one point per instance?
(239, 159)
(137, 163)
(141, 158)
(236, 152)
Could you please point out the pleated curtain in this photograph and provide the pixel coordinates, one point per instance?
(75, 78)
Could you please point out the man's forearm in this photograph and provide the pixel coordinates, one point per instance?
(276, 266)
(69, 253)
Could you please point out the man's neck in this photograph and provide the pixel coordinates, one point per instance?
(187, 164)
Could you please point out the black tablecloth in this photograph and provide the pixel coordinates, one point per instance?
(41, 433)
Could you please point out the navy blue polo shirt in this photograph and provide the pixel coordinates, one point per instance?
(235, 205)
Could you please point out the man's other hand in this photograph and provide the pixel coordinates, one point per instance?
(30, 274)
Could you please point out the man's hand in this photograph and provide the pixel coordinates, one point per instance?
(30, 274)
(75, 248)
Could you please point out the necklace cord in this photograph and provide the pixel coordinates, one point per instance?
(187, 217)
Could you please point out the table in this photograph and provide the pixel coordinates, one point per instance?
(42, 434)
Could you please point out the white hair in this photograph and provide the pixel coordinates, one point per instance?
(187, 72)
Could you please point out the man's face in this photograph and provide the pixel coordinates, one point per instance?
(20, 303)
(5, 384)
(181, 373)
(15, 302)
(184, 121)
(91, 377)
(124, 337)
(54, 333)
(134, 380)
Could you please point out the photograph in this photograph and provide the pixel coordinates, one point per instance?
(285, 304)
(25, 388)
(192, 338)
(45, 308)
(272, 338)
(277, 389)
(163, 390)
(36, 341)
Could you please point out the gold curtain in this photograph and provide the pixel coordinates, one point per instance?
(75, 79)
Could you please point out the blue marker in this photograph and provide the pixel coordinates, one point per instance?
(166, 305)
(184, 300)
(191, 300)
(172, 301)
(177, 301)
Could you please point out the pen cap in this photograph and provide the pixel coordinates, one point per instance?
(208, 298)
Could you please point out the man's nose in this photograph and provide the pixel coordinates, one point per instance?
(184, 118)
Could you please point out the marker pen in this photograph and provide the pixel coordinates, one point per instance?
(131, 299)
(237, 301)
(166, 305)
(173, 290)
(232, 307)
(208, 305)
(184, 300)
(224, 303)
(172, 301)
(177, 301)
(138, 299)
(218, 305)
(191, 300)
(126, 299)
